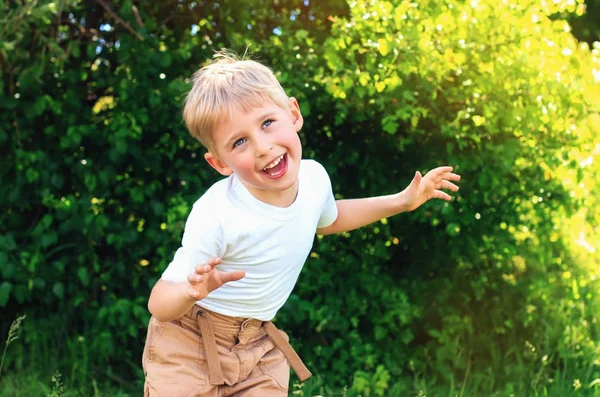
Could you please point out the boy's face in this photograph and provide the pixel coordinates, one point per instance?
(263, 149)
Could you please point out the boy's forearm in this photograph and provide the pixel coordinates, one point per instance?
(355, 213)
(170, 301)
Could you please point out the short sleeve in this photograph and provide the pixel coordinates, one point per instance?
(202, 239)
(330, 212)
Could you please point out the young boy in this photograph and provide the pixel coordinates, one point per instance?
(246, 239)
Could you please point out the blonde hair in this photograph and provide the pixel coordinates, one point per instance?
(228, 84)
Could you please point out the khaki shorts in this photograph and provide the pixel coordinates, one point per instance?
(241, 359)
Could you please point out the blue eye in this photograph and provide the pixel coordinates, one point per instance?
(239, 142)
(267, 123)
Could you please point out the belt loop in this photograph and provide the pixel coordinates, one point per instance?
(288, 351)
(215, 374)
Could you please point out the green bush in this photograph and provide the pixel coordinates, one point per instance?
(100, 176)
(511, 99)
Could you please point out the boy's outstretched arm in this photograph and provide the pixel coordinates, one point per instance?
(355, 213)
(170, 300)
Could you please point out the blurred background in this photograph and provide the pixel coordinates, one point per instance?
(493, 294)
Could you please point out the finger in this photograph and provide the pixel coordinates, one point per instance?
(441, 170)
(438, 194)
(195, 278)
(451, 176)
(214, 261)
(193, 293)
(202, 269)
(232, 276)
(448, 185)
(208, 266)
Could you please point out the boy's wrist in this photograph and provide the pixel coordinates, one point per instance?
(401, 202)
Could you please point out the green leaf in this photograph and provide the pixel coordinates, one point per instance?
(84, 276)
(49, 238)
(414, 121)
(7, 45)
(59, 290)
(390, 126)
(7, 242)
(8, 269)
(57, 180)
(39, 283)
(384, 46)
(478, 120)
(165, 59)
(407, 337)
(453, 229)
(408, 96)
(20, 293)
(76, 52)
(380, 333)
(9, 103)
(47, 220)
(90, 181)
(121, 146)
(32, 175)
(301, 34)
(5, 289)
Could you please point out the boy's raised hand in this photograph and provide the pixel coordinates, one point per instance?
(206, 278)
(424, 188)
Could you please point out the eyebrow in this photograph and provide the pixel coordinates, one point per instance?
(233, 137)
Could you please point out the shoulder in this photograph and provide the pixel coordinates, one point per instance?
(216, 191)
(213, 203)
(314, 179)
(312, 168)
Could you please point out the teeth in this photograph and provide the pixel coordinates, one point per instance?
(274, 163)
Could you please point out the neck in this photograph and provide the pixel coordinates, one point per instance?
(280, 199)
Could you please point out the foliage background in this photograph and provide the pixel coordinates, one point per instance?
(495, 293)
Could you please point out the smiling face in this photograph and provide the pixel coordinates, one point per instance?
(261, 146)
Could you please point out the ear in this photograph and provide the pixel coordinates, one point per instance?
(217, 164)
(297, 119)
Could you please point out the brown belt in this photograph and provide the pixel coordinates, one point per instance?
(212, 355)
(288, 351)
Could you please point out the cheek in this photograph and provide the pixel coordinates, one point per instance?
(295, 141)
(291, 137)
(245, 164)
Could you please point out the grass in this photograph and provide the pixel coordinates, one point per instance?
(33, 384)
(36, 381)
(12, 336)
(37, 384)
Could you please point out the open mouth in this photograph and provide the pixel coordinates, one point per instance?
(276, 168)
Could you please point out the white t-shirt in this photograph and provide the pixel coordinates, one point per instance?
(269, 243)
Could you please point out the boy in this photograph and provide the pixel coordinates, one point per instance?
(246, 239)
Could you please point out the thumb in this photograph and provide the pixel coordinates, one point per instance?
(232, 276)
(416, 179)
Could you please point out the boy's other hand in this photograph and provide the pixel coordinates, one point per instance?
(424, 188)
(206, 278)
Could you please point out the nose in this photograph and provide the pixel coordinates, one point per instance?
(262, 145)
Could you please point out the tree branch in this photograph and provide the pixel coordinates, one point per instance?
(119, 20)
(137, 16)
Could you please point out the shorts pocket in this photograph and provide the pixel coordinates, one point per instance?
(175, 362)
(276, 366)
(155, 329)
